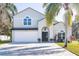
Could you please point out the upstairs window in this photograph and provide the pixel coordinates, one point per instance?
(27, 21)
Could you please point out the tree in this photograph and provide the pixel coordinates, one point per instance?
(7, 10)
(68, 23)
(52, 9)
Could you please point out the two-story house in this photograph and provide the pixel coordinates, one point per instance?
(29, 25)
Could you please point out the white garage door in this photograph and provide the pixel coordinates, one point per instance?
(24, 36)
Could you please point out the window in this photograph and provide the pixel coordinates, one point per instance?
(63, 35)
(27, 21)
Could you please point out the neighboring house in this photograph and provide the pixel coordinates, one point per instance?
(29, 26)
(59, 31)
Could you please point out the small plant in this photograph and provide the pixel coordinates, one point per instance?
(39, 40)
(51, 40)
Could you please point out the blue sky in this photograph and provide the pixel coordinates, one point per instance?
(36, 6)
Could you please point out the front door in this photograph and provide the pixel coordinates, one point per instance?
(44, 36)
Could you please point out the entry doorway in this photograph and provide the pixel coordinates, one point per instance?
(61, 36)
(45, 34)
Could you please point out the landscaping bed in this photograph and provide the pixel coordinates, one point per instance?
(72, 47)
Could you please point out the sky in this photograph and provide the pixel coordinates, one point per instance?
(38, 7)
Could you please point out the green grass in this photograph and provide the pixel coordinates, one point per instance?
(72, 47)
(3, 42)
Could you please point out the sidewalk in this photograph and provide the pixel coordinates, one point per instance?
(33, 49)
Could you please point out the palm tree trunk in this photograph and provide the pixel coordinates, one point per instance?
(68, 34)
(66, 7)
(65, 41)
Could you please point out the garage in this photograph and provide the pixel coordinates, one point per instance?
(20, 36)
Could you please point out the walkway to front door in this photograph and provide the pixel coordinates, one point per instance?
(33, 49)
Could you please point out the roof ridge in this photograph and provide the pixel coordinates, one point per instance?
(26, 9)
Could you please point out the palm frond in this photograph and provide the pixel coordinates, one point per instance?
(9, 16)
(11, 7)
(51, 11)
(45, 4)
(75, 6)
(77, 18)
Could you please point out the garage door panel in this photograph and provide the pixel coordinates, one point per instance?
(24, 36)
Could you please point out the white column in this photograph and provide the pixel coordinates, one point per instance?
(51, 32)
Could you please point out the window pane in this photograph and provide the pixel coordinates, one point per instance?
(29, 23)
(25, 21)
(29, 20)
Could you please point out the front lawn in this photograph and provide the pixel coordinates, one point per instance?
(72, 47)
(3, 42)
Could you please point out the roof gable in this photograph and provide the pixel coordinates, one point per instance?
(30, 9)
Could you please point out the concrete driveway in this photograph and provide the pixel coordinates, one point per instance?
(33, 49)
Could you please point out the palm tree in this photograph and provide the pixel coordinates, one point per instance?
(68, 22)
(77, 16)
(7, 10)
(52, 9)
